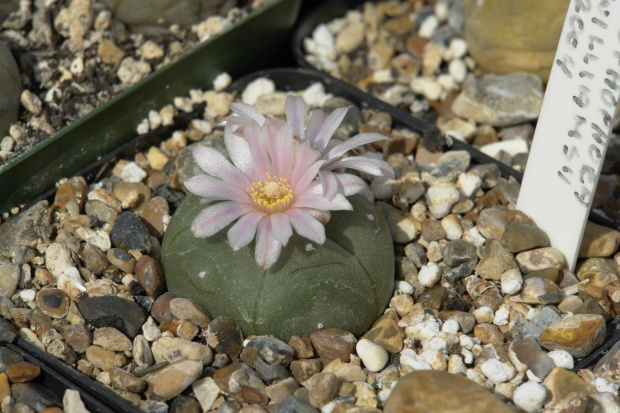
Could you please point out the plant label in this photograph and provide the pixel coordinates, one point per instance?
(572, 133)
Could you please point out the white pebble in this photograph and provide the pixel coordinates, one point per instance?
(429, 274)
(562, 358)
(132, 173)
(201, 125)
(257, 88)
(315, 96)
(427, 86)
(511, 281)
(154, 119)
(150, 330)
(468, 356)
(428, 27)
(95, 237)
(27, 295)
(183, 104)
(468, 183)
(7, 144)
(423, 331)
(410, 358)
(383, 76)
(466, 341)
(456, 49)
(604, 385)
(221, 81)
(452, 226)
(457, 70)
(447, 82)
(501, 316)
(473, 235)
(484, 314)
(323, 42)
(372, 355)
(512, 147)
(496, 371)
(197, 96)
(530, 396)
(72, 402)
(438, 343)
(143, 127)
(451, 326)
(435, 358)
(77, 66)
(441, 10)
(404, 287)
(440, 198)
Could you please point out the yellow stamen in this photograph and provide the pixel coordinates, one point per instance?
(272, 195)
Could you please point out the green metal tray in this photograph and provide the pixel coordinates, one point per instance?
(253, 43)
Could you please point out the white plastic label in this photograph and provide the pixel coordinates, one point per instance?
(575, 121)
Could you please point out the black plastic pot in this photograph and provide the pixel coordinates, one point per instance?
(237, 50)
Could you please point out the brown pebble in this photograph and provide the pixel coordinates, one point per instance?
(184, 309)
(78, 337)
(302, 346)
(152, 214)
(561, 382)
(150, 275)
(22, 372)
(333, 343)
(578, 334)
(53, 302)
(171, 380)
(121, 259)
(304, 369)
(100, 357)
(386, 333)
(322, 388)
(488, 333)
(72, 191)
(122, 380)
(224, 335)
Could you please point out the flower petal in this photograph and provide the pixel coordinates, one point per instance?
(317, 117)
(280, 142)
(244, 230)
(215, 189)
(349, 184)
(329, 183)
(215, 217)
(267, 248)
(295, 109)
(248, 111)
(238, 148)
(281, 228)
(305, 166)
(329, 126)
(339, 202)
(366, 164)
(255, 135)
(306, 225)
(215, 164)
(354, 142)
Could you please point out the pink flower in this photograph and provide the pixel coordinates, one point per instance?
(269, 188)
(281, 178)
(319, 134)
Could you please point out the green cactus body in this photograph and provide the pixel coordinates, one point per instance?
(345, 283)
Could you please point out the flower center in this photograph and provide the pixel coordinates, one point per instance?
(271, 195)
